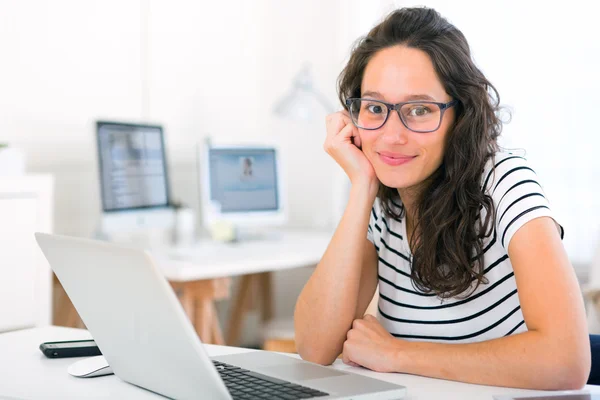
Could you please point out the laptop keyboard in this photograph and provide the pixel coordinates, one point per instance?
(244, 384)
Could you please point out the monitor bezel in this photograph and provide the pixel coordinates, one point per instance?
(266, 218)
(168, 203)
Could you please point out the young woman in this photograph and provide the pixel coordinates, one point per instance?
(474, 281)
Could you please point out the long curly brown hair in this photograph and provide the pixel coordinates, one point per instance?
(448, 239)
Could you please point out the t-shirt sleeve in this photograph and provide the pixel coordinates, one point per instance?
(373, 230)
(518, 196)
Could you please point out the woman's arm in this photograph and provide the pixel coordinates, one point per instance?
(553, 354)
(341, 287)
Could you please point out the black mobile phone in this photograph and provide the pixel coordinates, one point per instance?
(70, 348)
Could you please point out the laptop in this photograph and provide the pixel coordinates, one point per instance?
(143, 332)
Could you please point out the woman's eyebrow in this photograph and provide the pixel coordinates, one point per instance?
(420, 97)
(369, 93)
(377, 95)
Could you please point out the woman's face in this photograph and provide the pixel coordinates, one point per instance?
(403, 158)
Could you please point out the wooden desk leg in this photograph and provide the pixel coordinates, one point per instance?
(266, 294)
(217, 335)
(204, 318)
(63, 310)
(251, 286)
(208, 323)
(240, 305)
(188, 302)
(197, 299)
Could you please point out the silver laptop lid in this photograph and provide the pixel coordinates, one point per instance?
(155, 345)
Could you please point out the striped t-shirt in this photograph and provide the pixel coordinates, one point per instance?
(493, 310)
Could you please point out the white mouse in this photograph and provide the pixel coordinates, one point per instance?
(90, 367)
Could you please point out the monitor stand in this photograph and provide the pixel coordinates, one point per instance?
(249, 234)
(227, 231)
(138, 227)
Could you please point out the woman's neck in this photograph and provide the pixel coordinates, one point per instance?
(409, 201)
(410, 197)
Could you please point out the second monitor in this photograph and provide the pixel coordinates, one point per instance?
(242, 185)
(133, 178)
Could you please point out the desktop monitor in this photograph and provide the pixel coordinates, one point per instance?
(133, 177)
(242, 185)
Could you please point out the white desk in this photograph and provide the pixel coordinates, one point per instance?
(26, 374)
(210, 260)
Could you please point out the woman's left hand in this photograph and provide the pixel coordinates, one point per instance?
(369, 345)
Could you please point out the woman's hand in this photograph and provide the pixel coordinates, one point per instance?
(343, 143)
(369, 345)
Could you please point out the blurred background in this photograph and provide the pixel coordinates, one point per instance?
(220, 69)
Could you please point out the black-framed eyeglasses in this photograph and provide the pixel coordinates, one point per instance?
(418, 116)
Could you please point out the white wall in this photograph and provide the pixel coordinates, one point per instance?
(61, 68)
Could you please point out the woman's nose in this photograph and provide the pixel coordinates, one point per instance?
(394, 131)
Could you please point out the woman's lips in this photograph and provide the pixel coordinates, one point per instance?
(395, 159)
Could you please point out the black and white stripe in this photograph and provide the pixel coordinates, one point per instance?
(491, 311)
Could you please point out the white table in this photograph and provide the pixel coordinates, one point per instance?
(209, 259)
(26, 374)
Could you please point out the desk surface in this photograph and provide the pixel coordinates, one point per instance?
(208, 259)
(26, 374)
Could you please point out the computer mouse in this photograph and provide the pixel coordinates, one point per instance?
(90, 367)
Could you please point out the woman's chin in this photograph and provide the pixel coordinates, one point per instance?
(396, 182)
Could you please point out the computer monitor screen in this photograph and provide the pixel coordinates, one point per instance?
(242, 184)
(243, 180)
(133, 170)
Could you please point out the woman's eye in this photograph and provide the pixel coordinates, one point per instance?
(419, 111)
(375, 108)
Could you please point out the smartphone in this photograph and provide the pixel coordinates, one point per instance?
(71, 348)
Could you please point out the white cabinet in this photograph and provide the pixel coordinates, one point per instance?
(25, 277)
